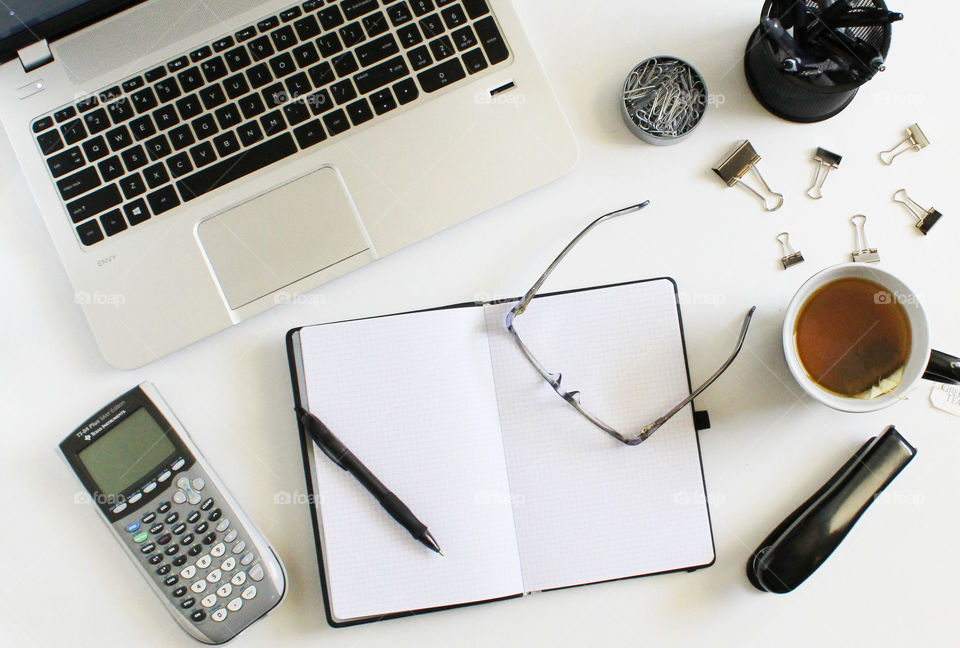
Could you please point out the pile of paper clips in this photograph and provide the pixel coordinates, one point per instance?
(665, 98)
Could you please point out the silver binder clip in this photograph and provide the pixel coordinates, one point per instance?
(915, 141)
(826, 160)
(734, 166)
(864, 253)
(926, 218)
(791, 257)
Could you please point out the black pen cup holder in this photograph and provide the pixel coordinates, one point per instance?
(798, 98)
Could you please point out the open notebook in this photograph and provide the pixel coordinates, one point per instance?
(520, 491)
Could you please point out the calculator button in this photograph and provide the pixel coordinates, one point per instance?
(148, 548)
(195, 550)
(173, 517)
(172, 549)
(156, 528)
(164, 507)
(198, 587)
(198, 484)
(228, 564)
(149, 517)
(183, 483)
(186, 604)
(140, 537)
(214, 576)
(238, 548)
(202, 527)
(204, 561)
(188, 572)
(164, 476)
(198, 616)
(133, 526)
(163, 570)
(225, 590)
(193, 497)
(179, 497)
(179, 561)
(222, 526)
(209, 600)
(164, 539)
(187, 539)
(210, 538)
(217, 513)
(219, 615)
(179, 529)
(218, 550)
(133, 499)
(193, 517)
(235, 604)
(256, 573)
(250, 592)
(239, 578)
(170, 581)
(149, 487)
(122, 506)
(231, 536)
(178, 464)
(156, 559)
(207, 504)
(180, 591)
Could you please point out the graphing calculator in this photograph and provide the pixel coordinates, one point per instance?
(213, 569)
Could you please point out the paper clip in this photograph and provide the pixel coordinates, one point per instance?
(791, 257)
(826, 160)
(741, 160)
(863, 253)
(926, 218)
(915, 140)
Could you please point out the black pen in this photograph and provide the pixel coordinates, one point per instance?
(341, 455)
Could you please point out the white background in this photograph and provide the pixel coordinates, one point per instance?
(891, 582)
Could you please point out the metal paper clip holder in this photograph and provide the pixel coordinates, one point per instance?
(863, 253)
(915, 141)
(926, 218)
(826, 160)
(791, 257)
(737, 164)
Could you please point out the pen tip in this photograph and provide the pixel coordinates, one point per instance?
(439, 552)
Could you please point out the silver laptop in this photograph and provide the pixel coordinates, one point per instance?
(199, 162)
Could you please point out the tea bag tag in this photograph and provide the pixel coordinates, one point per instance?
(946, 398)
(863, 253)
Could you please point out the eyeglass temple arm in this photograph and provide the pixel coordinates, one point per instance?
(523, 303)
(653, 427)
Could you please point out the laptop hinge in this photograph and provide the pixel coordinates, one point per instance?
(35, 55)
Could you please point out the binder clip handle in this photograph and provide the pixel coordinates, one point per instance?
(916, 140)
(864, 253)
(926, 218)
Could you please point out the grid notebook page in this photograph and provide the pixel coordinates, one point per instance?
(412, 396)
(589, 508)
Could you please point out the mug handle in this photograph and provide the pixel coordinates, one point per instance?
(943, 368)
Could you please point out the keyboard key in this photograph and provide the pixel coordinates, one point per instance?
(329, 44)
(409, 36)
(166, 117)
(321, 74)
(282, 65)
(63, 163)
(345, 64)
(399, 13)
(309, 134)
(156, 175)
(454, 17)
(343, 92)
(134, 158)
(442, 48)
(296, 112)
(272, 123)
(73, 131)
(464, 38)
(189, 106)
(491, 40)
(355, 8)
(283, 38)
(268, 23)
(440, 76)
(79, 183)
(351, 34)
(88, 103)
(136, 211)
(190, 79)
(236, 86)
(260, 48)
(422, 7)
(119, 138)
(181, 137)
(132, 186)
(250, 133)
(95, 149)
(380, 75)
(238, 166)
(474, 61)
(42, 124)
(113, 222)
(419, 57)
(377, 50)
(200, 54)
(246, 34)
(144, 100)
(202, 154)
(162, 200)
(49, 142)
(251, 106)
(290, 14)
(223, 44)
(228, 116)
(307, 27)
(330, 17)
(179, 166)
(110, 94)
(432, 26)
(476, 8)
(226, 144)
(298, 85)
(312, 5)
(406, 91)
(120, 111)
(158, 148)
(178, 64)
(142, 128)
(237, 58)
(110, 169)
(213, 69)
(259, 75)
(382, 101)
(336, 122)
(205, 126)
(167, 90)
(64, 114)
(306, 55)
(375, 24)
(90, 233)
(212, 96)
(320, 102)
(359, 112)
(97, 121)
(156, 73)
(94, 203)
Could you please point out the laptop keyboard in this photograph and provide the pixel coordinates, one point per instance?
(313, 72)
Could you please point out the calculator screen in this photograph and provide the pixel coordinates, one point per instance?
(130, 451)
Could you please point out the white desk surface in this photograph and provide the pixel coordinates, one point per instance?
(893, 579)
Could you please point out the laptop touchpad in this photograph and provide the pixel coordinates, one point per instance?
(282, 236)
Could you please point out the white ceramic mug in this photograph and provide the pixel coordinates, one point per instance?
(922, 361)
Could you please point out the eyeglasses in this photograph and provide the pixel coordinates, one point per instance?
(573, 397)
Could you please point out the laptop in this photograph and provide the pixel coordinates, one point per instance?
(197, 163)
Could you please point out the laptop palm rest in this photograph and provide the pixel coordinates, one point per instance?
(278, 238)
